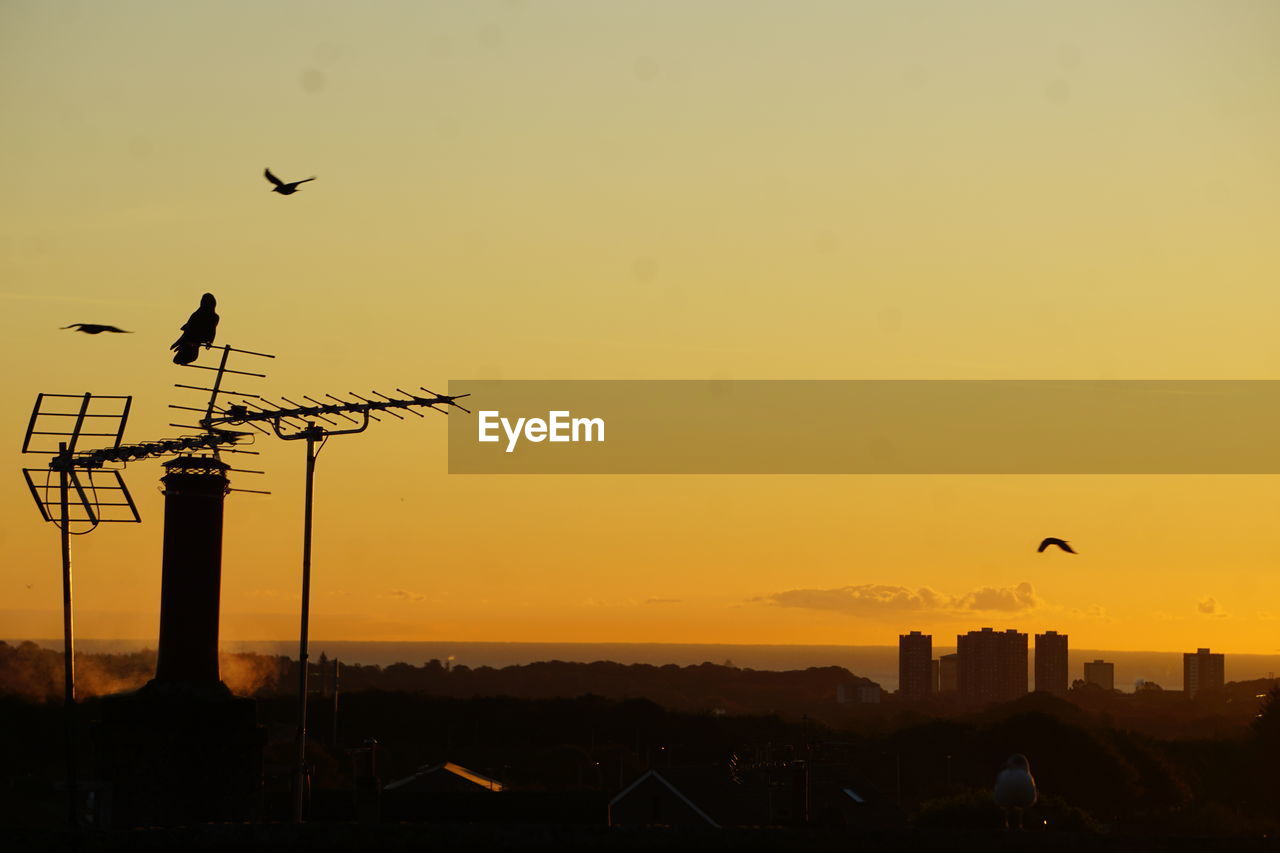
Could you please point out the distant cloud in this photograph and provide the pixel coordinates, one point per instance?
(662, 601)
(864, 599)
(1009, 599)
(1210, 607)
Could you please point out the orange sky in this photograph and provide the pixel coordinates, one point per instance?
(664, 190)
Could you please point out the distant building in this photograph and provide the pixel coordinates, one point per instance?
(933, 675)
(861, 694)
(1101, 673)
(915, 658)
(1051, 663)
(949, 673)
(992, 665)
(1202, 671)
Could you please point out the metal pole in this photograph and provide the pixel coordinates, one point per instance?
(217, 382)
(68, 647)
(300, 778)
(333, 734)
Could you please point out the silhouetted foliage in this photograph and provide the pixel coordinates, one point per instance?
(975, 810)
(1152, 762)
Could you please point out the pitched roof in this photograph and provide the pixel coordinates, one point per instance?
(654, 774)
(445, 774)
(711, 793)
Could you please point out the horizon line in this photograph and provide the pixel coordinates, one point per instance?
(147, 645)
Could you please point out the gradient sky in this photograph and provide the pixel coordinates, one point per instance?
(753, 190)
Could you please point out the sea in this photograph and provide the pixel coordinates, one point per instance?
(878, 663)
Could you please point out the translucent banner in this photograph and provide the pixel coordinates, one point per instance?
(866, 427)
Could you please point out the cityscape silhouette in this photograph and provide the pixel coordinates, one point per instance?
(737, 296)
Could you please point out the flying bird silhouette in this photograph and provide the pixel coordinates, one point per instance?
(1061, 543)
(96, 329)
(282, 187)
(199, 329)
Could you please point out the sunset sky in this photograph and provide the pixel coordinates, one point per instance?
(666, 190)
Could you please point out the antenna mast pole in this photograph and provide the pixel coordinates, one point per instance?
(68, 648)
(65, 449)
(311, 433)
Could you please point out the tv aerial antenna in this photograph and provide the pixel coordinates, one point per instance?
(313, 422)
(298, 422)
(89, 489)
(81, 489)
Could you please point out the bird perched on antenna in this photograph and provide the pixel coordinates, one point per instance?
(1061, 543)
(96, 329)
(198, 330)
(282, 187)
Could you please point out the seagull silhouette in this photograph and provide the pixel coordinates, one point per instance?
(282, 187)
(199, 329)
(1015, 787)
(1061, 543)
(96, 329)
